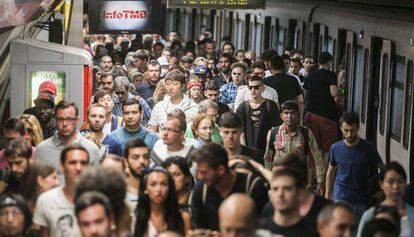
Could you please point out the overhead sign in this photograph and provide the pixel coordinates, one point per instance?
(234, 4)
(126, 16)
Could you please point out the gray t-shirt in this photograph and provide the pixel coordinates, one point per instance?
(50, 149)
(56, 213)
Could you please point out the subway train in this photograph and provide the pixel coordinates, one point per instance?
(373, 39)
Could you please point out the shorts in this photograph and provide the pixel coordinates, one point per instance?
(324, 130)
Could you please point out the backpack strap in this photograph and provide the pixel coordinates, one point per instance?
(187, 157)
(204, 194)
(155, 158)
(305, 133)
(250, 183)
(272, 139)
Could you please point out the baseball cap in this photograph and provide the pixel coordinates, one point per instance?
(200, 69)
(48, 86)
(45, 97)
(163, 61)
(16, 200)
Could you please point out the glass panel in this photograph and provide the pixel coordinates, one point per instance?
(358, 79)
(384, 82)
(408, 104)
(280, 40)
(365, 85)
(397, 99)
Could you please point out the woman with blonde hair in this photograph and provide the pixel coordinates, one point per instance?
(33, 133)
(159, 93)
(202, 128)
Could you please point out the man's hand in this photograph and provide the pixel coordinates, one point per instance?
(3, 186)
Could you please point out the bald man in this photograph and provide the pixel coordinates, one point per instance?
(237, 215)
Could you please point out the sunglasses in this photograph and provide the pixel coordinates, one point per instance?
(257, 87)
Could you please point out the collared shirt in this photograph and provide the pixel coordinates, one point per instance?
(122, 136)
(228, 93)
(146, 110)
(49, 150)
(285, 144)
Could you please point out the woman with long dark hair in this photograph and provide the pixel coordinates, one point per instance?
(183, 180)
(157, 208)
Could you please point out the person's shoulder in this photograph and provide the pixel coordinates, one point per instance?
(50, 194)
(45, 144)
(88, 144)
(110, 140)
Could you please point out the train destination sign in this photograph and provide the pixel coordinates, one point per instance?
(233, 4)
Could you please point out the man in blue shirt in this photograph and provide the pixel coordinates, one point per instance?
(132, 119)
(352, 162)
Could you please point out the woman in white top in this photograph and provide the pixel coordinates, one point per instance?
(157, 208)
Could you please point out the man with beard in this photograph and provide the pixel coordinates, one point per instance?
(55, 212)
(94, 213)
(225, 61)
(105, 63)
(352, 162)
(18, 152)
(96, 122)
(216, 182)
(137, 156)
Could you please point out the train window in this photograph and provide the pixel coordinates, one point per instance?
(384, 81)
(408, 104)
(330, 45)
(358, 79)
(280, 40)
(397, 98)
(365, 85)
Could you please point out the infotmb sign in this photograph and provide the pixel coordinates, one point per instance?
(125, 16)
(234, 4)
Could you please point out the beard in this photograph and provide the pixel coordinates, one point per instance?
(95, 128)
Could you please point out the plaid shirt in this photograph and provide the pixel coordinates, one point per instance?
(285, 144)
(228, 93)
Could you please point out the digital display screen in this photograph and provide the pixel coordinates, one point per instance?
(124, 16)
(234, 4)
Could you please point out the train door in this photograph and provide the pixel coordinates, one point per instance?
(366, 93)
(385, 69)
(408, 141)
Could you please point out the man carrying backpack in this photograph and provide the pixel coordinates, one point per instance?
(291, 137)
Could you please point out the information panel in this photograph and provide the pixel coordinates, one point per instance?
(38, 77)
(125, 16)
(234, 4)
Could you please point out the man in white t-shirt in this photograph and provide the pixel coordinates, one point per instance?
(55, 211)
(173, 142)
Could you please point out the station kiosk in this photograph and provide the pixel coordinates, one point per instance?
(34, 61)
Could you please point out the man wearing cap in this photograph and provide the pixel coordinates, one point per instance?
(43, 109)
(165, 66)
(15, 216)
(200, 73)
(147, 88)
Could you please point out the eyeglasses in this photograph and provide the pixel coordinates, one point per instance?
(206, 128)
(121, 92)
(164, 129)
(257, 87)
(69, 120)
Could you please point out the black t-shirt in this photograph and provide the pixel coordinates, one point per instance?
(222, 108)
(287, 87)
(255, 131)
(319, 100)
(312, 215)
(205, 215)
(300, 229)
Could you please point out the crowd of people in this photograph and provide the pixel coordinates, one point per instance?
(198, 139)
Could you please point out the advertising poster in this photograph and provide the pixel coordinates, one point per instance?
(37, 77)
(126, 16)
